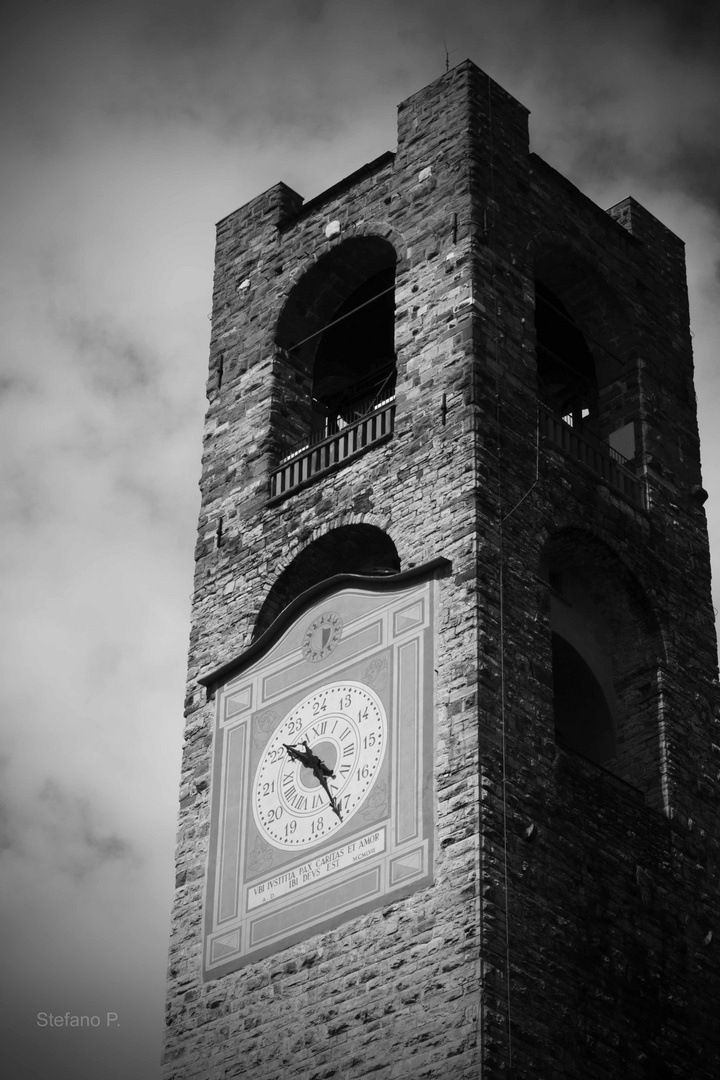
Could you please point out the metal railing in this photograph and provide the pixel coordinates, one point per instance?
(607, 463)
(313, 458)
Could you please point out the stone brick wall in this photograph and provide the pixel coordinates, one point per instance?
(572, 926)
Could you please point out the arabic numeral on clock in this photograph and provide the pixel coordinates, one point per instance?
(317, 826)
(362, 774)
(268, 788)
(290, 828)
(345, 701)
(369, 740)
(275, 814)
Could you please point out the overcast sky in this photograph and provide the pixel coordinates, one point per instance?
(128, 129)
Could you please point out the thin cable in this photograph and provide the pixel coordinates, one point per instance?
(535, 482)
(503, 733)
(480, 856)
(501, 584)
(347, 315)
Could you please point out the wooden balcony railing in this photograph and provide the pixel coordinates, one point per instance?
(599, 456)
(312, 459)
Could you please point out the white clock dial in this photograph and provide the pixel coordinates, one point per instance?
(344, 725)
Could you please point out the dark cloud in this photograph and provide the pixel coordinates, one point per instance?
(696, 170)
(691, 29)
(78, 843)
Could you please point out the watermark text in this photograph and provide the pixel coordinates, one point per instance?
(45, 1019)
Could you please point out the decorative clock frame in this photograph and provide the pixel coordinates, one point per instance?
(356, 653)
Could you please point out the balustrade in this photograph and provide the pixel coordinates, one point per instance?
(312, 459)
(597, 455)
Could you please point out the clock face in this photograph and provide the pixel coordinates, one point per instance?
(322, 789)
(296, 803)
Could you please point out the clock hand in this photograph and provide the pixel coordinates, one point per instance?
(319, 770)
(298, 755)
(335, 805)
(309, 760)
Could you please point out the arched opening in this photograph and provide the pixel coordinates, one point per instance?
(336, 359)
(588, 378)
(566, 368)
(354, 366)
(606, 649)
(350, 549)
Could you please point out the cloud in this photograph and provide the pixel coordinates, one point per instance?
(61, 829)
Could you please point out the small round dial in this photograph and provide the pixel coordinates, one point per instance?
(337, 737)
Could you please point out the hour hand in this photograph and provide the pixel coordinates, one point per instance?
(310, 760)
(299, 755)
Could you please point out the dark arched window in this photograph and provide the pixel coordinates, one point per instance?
(606, 649)
(335, 369)
(566, 369)
(588, 375)
(354, 365)
(349, 549)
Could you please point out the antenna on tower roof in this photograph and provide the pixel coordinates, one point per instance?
(447, 55)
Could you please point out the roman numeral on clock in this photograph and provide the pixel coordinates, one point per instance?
(294, 799)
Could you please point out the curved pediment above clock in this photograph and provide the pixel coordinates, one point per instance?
(438, 567)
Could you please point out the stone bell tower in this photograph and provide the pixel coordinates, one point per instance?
(449, 802)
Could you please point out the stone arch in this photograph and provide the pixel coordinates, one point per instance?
(335, 340)
(372, 229)
(385, 231)
(349, 549)
(607, 651)
(570, 268)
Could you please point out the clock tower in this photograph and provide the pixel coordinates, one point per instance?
(449, 802)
